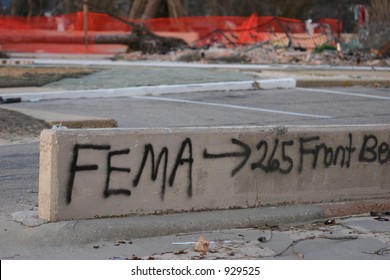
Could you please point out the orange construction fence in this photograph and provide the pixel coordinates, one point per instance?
(65, 33)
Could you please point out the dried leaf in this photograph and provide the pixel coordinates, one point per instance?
(202, 245)
(300, 255)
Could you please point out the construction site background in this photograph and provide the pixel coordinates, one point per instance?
(76, 32)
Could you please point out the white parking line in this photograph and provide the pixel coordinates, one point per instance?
(232, 107)
(346, 93)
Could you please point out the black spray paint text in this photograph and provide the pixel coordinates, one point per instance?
(184, 157)
(277, 155)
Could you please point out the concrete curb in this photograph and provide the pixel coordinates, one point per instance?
(158, 90)
(284, 83)
(109, 229)
(267, 84)
(87, 231)
(342, 83)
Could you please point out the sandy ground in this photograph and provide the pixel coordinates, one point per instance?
(16, 127)
(16, 76)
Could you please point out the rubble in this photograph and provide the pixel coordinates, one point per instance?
(350, 54)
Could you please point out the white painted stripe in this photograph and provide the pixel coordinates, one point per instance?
(347, 93)
(232, 107)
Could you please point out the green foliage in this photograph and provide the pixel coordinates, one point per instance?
(323, 47)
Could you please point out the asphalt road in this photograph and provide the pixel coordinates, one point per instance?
(19, 170)
(19, 165)
(336, 106)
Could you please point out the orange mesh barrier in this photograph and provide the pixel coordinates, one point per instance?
(64, 34)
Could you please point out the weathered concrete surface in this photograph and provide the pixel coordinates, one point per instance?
(68, 120)
(95, 173)
(163, 236)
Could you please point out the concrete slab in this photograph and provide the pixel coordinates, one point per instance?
(67, 120)
(324, 249)
(145, 237)
(369, 224)
(99, 173)
(283, 83)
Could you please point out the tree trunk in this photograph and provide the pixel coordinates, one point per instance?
(142, 39)
(151, 9)
(137, 9)
(18, 9)
(146, 9)
(176, 9)
(30, 5)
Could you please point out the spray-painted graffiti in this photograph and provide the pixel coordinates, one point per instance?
(372, 151)
(283, 156)
(184, 156)
(180, 160)
(246, 152)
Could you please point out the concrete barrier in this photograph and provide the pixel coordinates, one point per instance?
(113, 172)
(283, 83)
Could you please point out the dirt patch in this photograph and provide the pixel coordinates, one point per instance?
(14, 76)
(16, 127)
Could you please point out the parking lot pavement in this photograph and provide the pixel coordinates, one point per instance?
(360, 237)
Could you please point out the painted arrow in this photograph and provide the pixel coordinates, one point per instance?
(246, 152)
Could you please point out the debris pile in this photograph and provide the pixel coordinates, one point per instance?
(267, 53)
